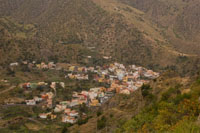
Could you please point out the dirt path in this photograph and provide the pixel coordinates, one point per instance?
(36, 121)
(4, 91)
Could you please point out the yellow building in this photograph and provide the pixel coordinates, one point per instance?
(94, 102)
(71, 68)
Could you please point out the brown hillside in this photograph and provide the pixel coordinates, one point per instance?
(138, 32)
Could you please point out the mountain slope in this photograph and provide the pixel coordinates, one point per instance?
(21, 42)
(178, 20)
(114, 28)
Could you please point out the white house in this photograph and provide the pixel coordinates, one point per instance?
(43, 116)
(37, 99)
(92, 95)
(125, 91)
(30, 102)
(73, 113)
(14, 64)
(74, 103)
(68, 119)
(59, 108)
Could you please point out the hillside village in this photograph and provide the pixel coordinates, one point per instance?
(86, 66)
(118, 78)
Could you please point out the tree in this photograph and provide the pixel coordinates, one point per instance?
(101, 123)
(65, 129)
(145, 89)
(83, 108)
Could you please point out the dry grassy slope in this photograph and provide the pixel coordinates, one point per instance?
(178, 20)
(163, 41)
(114, 28)
(13, 36)
(20, 42)
(132, 16)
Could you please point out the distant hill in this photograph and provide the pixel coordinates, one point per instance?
(179, 20)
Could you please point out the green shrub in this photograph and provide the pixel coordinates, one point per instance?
(83, 121)
(145, 90)
(187, 126)
(180, 98)
(101, 123)
(167, 94)
(146, 87)
(198, 81)
(99, 113)
(65, 129)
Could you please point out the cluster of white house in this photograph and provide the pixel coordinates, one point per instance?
(77, 76)
(45, 97)
(92, 98)
(33, 64)
(120, 79)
